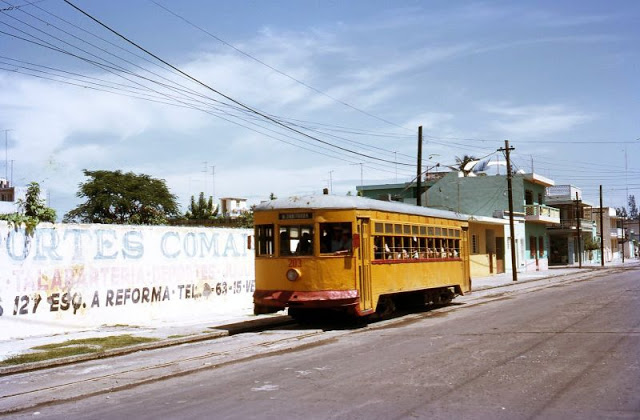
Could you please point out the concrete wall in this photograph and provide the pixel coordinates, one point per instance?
(85, 276)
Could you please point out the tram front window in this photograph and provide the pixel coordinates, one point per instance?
(296, 240)
(335, 237)
(264, 235)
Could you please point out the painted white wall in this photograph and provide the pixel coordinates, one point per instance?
(85, 276)
(519, 239)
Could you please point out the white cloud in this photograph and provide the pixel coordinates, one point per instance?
(535, 120)
(401, 64)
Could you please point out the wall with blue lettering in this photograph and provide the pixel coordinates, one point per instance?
(68, 275)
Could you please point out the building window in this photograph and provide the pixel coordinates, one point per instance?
(528, 197)
(474, 244)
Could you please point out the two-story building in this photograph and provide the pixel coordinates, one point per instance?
(233, 207)
(629, 242)
(487, 196)
(610, 233)
(571, 241)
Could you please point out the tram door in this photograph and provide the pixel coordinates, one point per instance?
(364, 264)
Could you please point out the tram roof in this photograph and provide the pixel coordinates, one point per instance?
(333, 202)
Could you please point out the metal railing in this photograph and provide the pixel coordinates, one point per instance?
(586, 225)
(542, 211)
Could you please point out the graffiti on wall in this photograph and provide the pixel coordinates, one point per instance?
(88, 270)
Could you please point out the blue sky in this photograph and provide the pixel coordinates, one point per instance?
(558, 79)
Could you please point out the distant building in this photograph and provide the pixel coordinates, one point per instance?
(404, 192)
(233, 207)
(629, 240)
(609, 231)
(11, 195)
(565, 245)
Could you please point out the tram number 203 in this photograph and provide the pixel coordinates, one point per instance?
(295, 263)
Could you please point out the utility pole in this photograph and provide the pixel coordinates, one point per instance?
(204, 171)
(419, 198)
(623, 238)
(331, 182)
(579, 233)
(213, 181)
(395, 158)
(506, 151)
(6, 154)
(602, 231)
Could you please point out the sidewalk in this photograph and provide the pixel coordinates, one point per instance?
(208, 327)
(503, 279)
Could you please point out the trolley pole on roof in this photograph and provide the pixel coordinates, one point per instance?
(506, 151)
(419, 187)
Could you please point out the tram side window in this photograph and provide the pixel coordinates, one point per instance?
(390, 246)
(296, 240)
(264, 235)
(335, 237)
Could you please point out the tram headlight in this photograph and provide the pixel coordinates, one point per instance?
(293, 274)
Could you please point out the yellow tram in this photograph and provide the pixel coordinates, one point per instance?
(356, 254)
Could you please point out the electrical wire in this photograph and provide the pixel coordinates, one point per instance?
(275, 69)
(237, 102)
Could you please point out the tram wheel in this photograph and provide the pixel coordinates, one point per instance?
(263, 309)
(386, 307)
(303, 315)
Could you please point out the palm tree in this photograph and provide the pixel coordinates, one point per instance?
(463, 162)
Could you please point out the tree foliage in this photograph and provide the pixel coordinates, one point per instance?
(202, 209)
(621, 212)
(32, 210)
(633, 209)
(123, 198)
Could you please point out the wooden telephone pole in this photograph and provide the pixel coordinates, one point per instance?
(506, 151)
(579, 231)
(419, 187)
(602, 231)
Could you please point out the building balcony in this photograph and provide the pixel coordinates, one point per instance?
(539, 213)
(585, 225)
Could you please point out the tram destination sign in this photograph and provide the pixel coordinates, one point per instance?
(295, 216)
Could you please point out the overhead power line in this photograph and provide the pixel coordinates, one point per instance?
(115, 69)
(257, 60)
(229, 98)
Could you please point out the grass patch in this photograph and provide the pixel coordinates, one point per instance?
(76, 347)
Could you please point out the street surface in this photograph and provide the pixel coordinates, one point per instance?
(568, 350)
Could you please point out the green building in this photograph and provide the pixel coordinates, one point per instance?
(486, 195)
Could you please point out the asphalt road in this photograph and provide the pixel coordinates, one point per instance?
(567, 351)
